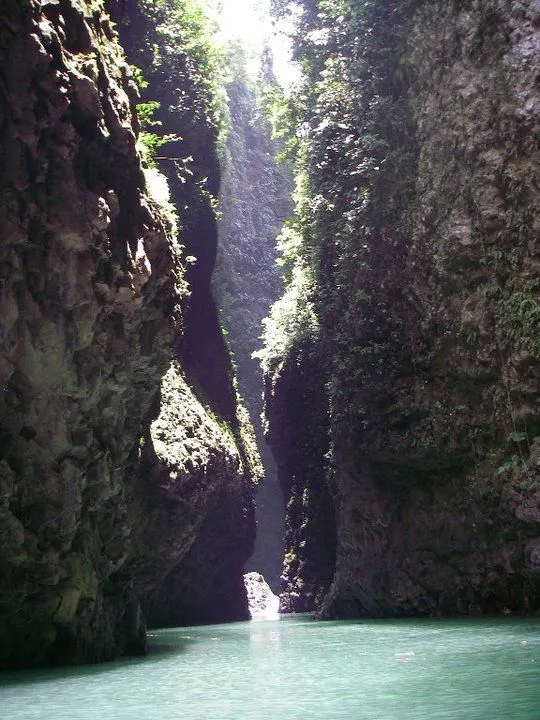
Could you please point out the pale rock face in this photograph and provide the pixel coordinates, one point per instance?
(263, 604)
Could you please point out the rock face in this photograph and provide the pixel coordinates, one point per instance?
(111, 467)
(263, 604)
(428, 299)
(200, 505)
(297, 412)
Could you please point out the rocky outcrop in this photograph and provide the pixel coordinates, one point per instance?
(201, 507)
(428, 298)
(110, 465)
(438, 489)
(263, 604)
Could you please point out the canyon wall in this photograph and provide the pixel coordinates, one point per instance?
(122, 451)
(254, 201)
(420, 229)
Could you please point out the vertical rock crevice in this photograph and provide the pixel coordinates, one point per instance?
(254, 202)
(297, 411)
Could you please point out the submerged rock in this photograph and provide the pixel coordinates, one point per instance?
(263, 604)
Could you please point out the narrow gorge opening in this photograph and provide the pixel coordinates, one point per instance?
(278, 318)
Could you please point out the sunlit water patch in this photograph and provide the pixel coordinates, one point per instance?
(297, 669)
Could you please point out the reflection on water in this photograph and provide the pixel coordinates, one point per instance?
(301, 670)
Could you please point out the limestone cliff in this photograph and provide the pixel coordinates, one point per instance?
(422, 129)
(113, 461)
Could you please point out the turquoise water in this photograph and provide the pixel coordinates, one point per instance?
(297, 669)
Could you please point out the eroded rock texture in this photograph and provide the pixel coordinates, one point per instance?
(198, 509)
(430, 309)
(110, 465)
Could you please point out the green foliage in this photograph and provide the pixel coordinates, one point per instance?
(281, 114)
(519, 314)
(175, 44)
(148, 142)
(247, 439)
(292, 318)
(147, 145)
(145, 112)
(289, 245)
(349, 125)
(254, 201)
(138, 76)
(185, 42)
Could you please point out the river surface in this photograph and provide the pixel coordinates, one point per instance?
(298, 669)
